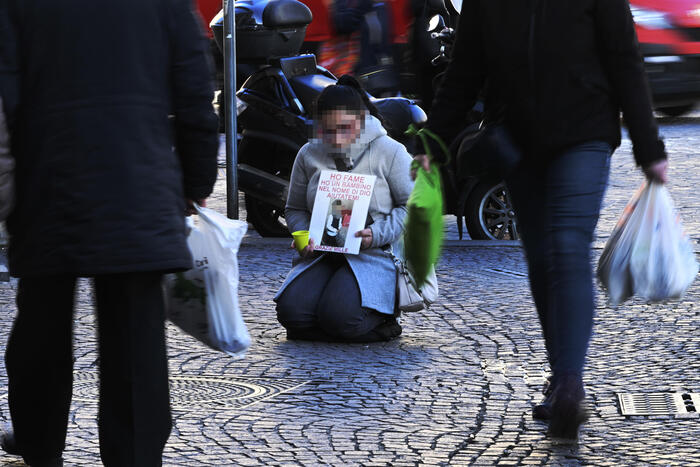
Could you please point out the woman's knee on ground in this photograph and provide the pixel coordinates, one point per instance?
(344, 323)
(342, 315)
(291, 315)
(340, 311)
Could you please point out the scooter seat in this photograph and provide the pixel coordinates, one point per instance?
(286, 13)
(308, 87)
(398, 113)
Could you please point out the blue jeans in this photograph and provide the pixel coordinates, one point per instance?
(557, 204)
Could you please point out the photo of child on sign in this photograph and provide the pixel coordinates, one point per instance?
(337, 222)
(340, 210)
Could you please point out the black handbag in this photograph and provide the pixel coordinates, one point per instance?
(487, 151)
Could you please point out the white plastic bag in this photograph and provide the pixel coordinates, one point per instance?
(203, 301)
(648, 254)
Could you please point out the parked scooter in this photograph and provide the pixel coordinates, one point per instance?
(430, 16)
(274, 104)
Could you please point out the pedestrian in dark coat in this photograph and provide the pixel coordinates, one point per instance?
(113, 134)
(558, 73)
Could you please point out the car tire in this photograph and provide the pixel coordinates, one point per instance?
(489, 213)
(267, 219)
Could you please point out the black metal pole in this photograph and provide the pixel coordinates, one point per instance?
(230, 103)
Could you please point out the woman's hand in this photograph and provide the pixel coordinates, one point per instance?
(308, 250)
(657, 171)
(424, 162)
(366, 235)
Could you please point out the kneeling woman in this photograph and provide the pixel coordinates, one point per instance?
(333, 296)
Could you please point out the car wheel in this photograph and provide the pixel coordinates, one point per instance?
(676, 111)
(489, 213)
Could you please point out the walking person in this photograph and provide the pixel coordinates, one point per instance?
(113, 134)
(361, 44)
(334, 296)
(557, 75)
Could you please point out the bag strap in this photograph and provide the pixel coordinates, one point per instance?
(424, 134)
(389, 250)
(400, 264)
(402, 268)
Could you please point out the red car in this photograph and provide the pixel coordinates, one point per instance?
(207, 10)
(669, 37)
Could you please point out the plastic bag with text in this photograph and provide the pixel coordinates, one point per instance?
(203, 301)
(648, 253)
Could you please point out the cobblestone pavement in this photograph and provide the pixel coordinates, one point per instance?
(457, 388)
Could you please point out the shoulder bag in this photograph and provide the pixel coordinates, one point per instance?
(410, 297)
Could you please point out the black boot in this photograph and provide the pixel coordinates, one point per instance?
(567, 413)
(390, 329)
(543, 410)
(9, 444)
(53, 462)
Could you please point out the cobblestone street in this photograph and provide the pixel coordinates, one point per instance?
(456, 388)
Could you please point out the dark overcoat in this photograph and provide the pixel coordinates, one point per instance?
(557, 73)
(113, 128)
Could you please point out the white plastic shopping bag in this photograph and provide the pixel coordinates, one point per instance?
(648, 254)
(203, 301)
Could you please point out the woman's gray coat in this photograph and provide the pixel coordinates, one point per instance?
(377, 154)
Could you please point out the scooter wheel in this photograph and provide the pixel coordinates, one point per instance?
(267, 219)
